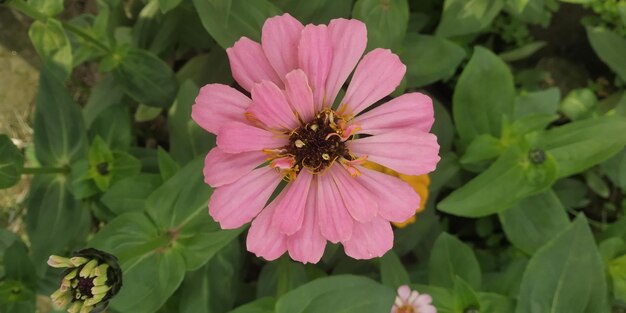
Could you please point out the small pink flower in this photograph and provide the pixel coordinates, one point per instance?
(410, 301)
(289, 131)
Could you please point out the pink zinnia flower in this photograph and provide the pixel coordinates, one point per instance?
(410, 301)
(289, 132)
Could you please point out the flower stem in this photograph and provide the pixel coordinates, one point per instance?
(29, 11)
(45, 170)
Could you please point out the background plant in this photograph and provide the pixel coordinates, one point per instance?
(526, 209)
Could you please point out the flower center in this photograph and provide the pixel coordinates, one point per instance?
(406, 309)
(83, 287)
(315, 145)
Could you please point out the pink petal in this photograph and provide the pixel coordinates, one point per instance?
(279, 38)
(315, 54)
(270, 107)
(412, 110)
(218, 104)
(369, 240)
(411, 153)
(334, 220)
(404, 292)
(423, 300)
(357, 199)
(308, 244)
(397, 200)
(222, 168)
(249, 64)
(427, 309)
(376, 76)
(290, 210)
(300, 95)
(265, 240)
(349, 39)
(238, 203)
(239, 137)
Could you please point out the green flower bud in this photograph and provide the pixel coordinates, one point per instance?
(91, 279)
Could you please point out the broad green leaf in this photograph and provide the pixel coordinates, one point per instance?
(277, 278)
(167, 166)
(461, 17)
(615, 169)
(450, 258)
(213, 287)
(493, 302)
(580, 145)
(55, 221)
(7, 238)
(529, 11)
(206, 68)
(386, 22)
(597, 184)
(565, 275)
(443, 127)
(579, 104)
(129, 194)
(187, 139)
(144, 77)
(47, 7)
(167, 5)
(483, 96)
(522, 52)
(443, 298)
(262, 305)
(610, 47)
(392, 272)
(53, 46)
(100, 163)
(430, 59)
(532, 222)
(537, 102)
(229, 20)
(482, 148)
(107, 92)
(114, 125)
(507, 280)
(11, 162)
(146, 113)
(617, 271)
(152, 268)
(316, 11)
(511, 178)
(340, 293)
(60, 136)
(18, 287)
(465, 297)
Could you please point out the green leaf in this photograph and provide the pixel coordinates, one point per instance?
(144, 77)
(104, 94)
(114, 125)
(60, 136)
(617, 271)
(522, 52)
(565, 275)
(100, 163)
(48, 7)
(537, 102)
(465, 297)
(610, 47)
(493, 302)
(386, 22)
(213, 287)
(579, 104)
(482, 148)
(430, 59)
(53, 47)
(443, 298)
(146, 113)
(18, 287)
(580, 145)
(450, 258)
(392, 272)
(316, 11)
(129, 194)
(462, 17)
(11, 162)
(340, 293)
(229, 20)
(187, 139)
(511, 178)
(532, 222)
(206, 68)
(55, 221)
(167, 5)
(167, 166)
(277, 278)
(615, 169)
(152, 268)
(483, 96)
(262, 305)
